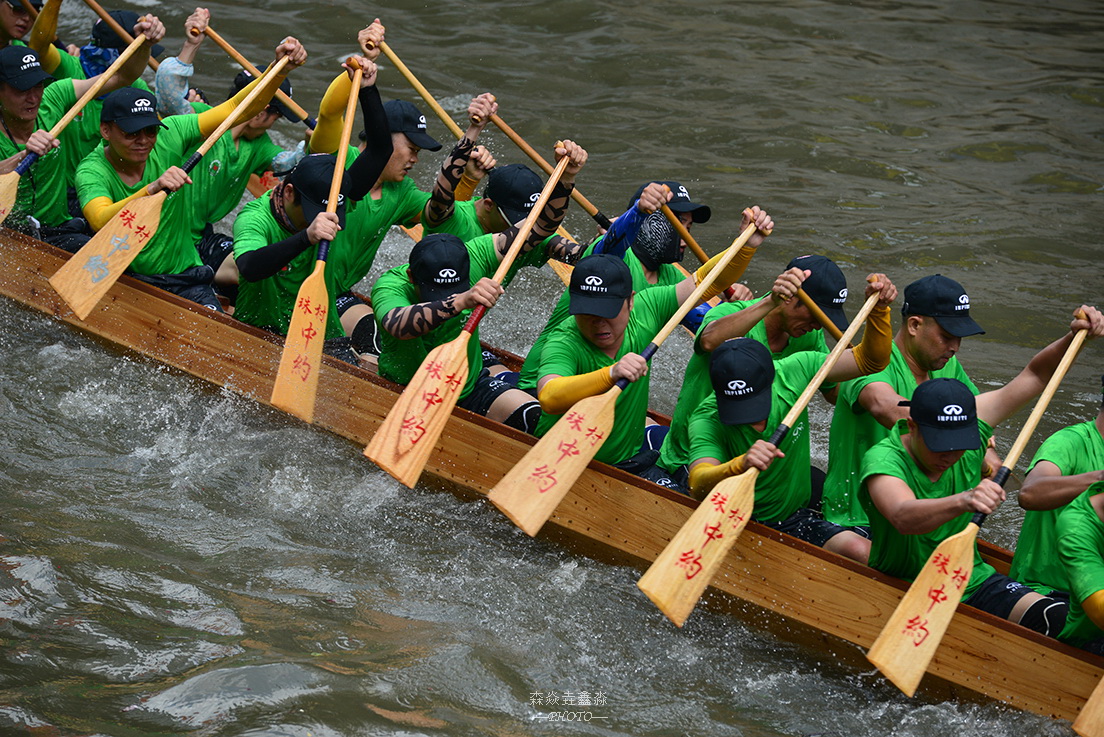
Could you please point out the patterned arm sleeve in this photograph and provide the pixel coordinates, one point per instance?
(417, 320)
(439, 207)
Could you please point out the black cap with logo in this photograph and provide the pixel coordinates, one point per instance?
(826, 285)
(131, 109)
(680, 202)
(946, 413)
(20, 67)
(943, 299)
(514, 188)
(312, 178)
(600, 284)
(104, 37)
(440, 266)
(742, 373)
(243, 78)
(403, 117)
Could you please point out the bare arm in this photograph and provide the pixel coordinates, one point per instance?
(912, 516)
(1046, 488)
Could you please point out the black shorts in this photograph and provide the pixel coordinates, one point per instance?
(806, 524)
(193, 284)
(644, 465)
(998, 594)
(214, 247)
(345, 300)
(486, 390)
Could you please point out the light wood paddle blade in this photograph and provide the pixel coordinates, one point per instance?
(9, 190)
(88, 275)
(1090, 722)
(402, 444)
(535, 486)
(914, 630)
(297, 380)
(679, 576)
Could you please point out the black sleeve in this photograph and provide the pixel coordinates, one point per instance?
(364, 172)
(265, 262)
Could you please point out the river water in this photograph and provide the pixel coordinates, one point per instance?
(175, 558)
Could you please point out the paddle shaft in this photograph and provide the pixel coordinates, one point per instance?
(422, 91)
(342, 155)
(114, 25)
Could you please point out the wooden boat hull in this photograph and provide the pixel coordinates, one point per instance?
(611, 512)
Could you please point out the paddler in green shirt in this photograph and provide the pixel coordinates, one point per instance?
(143, 156)
(778, 321)
(425, 303)
(751, 394)
(1065, 465)
(1081, 550)
(924, 482)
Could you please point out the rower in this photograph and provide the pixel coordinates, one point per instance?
(781, 323)
(15, 22)
(103, 47)
(138, 160)
(1065, 465)
(276, 236)
(1080, 540)
(923, 483)
(936, 314)
(612, 324)
(751, 394)
(29, 111)
(425, 303)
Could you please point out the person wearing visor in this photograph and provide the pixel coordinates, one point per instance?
(751, 393)
(143, 156)
(15, 22)
(936, 317)
(923, 483)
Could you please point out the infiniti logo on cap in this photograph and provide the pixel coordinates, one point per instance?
(963, 302)
(952, 409)
(842, 296)
(682, 192)
(594, 281)
(421, 121)
(952, 413)
(446, 274)
(738, 387)
(737, 384)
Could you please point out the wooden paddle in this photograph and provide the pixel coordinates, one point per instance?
(409, 433)
(530, 492)
(677, 578)
(913, 632)
(85, 278)
(9, 183)
(297, 380)
(114, 25)
(1090, 722)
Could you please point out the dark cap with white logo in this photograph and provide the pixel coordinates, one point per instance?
(600, 284)
(826, 285)
(131, 109)
(312, 178)
(946, 413)
(742, 373)
(514, 188)
(680, 202)
(945, 300)
(105, 37)
(403, 117)
(21, 68)
(440, 266)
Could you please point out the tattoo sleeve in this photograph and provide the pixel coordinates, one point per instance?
(440, 204)
(562, 249)
(417, 320)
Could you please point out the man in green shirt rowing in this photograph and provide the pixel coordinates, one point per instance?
(1080, 536)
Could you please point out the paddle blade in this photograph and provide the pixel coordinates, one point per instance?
(679, 576)
(9, 190)
(87, 276)
(914, 630)
(409, 433)
(297, 380)
(1090, 722)
(534, 487)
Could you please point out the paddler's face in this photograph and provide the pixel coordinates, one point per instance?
(687, 219)
(929, 461)
(256, 126)
(605, 333)
(14, 22)
(20, 104)
(796, 319)
(403, 158)
(132, 148)
(932, 346)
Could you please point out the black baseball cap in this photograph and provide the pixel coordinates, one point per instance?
(680, 202)
(515, 188)
(826, 285)
(243, 78)
(742, 373)
(131, 109)
(312, 178)
(21, 68)
(403, 117)
(104, 37)
(946, 413)
(600, 284)
(944, 299)
(440, 266)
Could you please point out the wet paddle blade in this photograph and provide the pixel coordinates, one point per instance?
(409, 433)
(912, 634)
(297, 380)
(88, 275)
(9, 190)
(534, 487)
(1090, 722)
(681, 573)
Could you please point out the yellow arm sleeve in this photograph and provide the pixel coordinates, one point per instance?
(559, 394)
(872, 355)
(210, 120)
(731, 273)
(705, 476)
(465, 190)
(42, 36)
(331, 114)
(1094, 607)
(99, 210)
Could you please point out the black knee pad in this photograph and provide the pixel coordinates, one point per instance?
(365, 336)
(1047, 616)
(525, 417)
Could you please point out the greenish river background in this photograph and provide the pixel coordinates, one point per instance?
(178, 559)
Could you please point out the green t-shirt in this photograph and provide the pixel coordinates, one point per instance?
(172, 249)
(1075, 449)
(855, 431)
(904, 555)
(69, 67)
(484, 260)
(568, 353)
(1081, 550)
(463, 223)
(786, 486)
(668, 274)
(696, 385)
(268, 303)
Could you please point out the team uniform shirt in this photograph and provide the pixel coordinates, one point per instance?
(1075, 449)
(568, 353)
(1081, 549)
(69, 67)
(172, 249)
(786, 486)
(269, 303)
(855, 431)
(668, 275)
(696, 386)
(904, 555)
